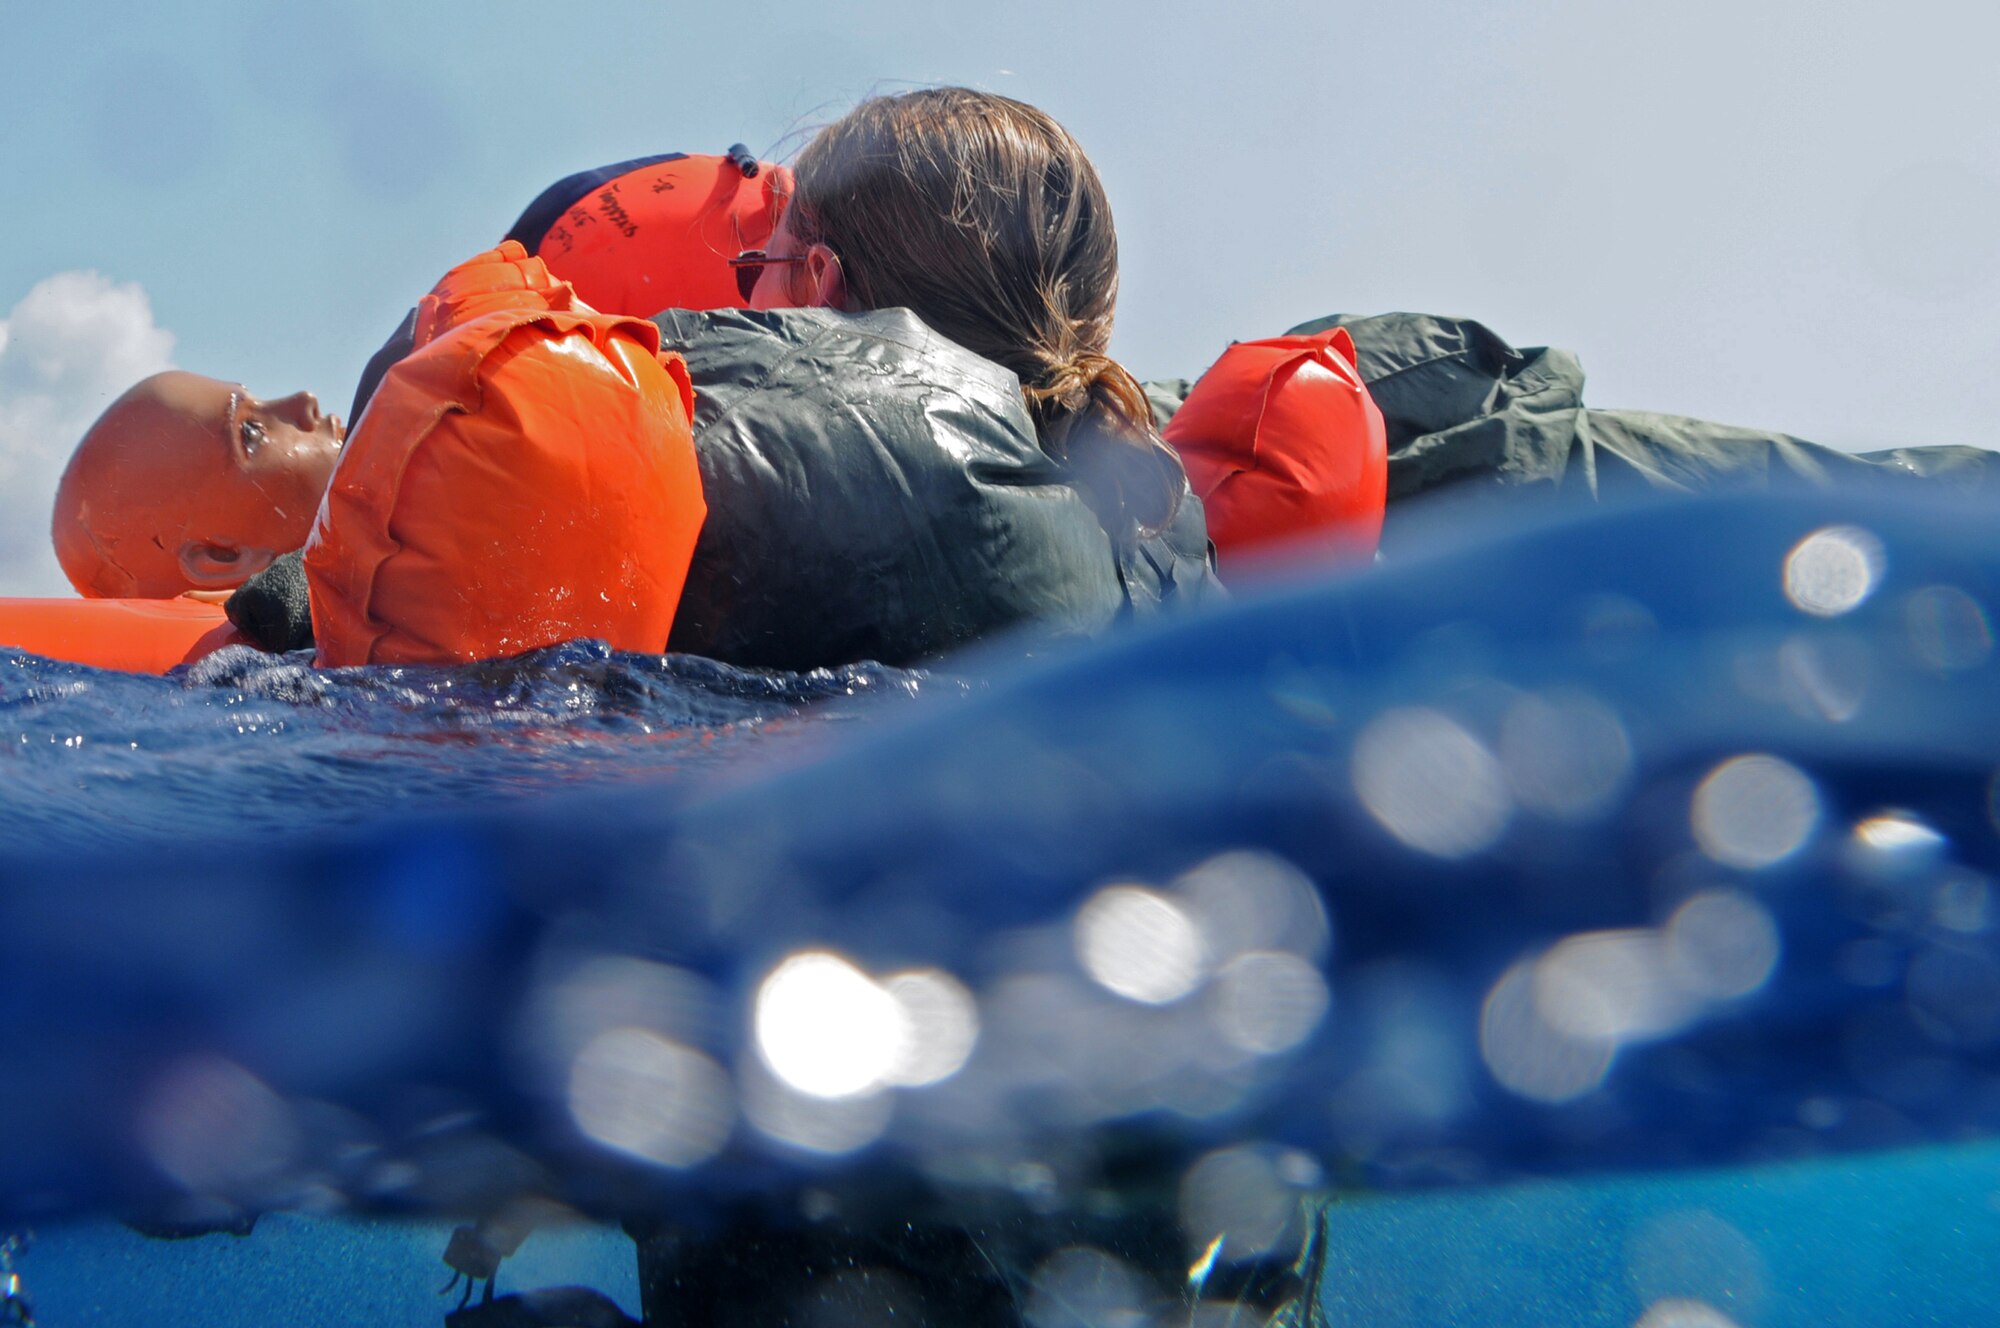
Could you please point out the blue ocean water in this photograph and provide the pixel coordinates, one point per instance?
(244, 743)
(1878, 1240)
(1652, 842)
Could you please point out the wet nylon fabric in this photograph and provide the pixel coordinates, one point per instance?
(1165, 396)
(876, 491)
(1475, 419)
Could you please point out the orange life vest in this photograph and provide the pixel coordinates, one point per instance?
(525, 476)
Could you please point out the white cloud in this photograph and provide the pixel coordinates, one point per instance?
(73, 343)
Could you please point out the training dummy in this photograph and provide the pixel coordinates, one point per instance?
(190, 483)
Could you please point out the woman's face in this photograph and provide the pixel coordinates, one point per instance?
(774, 281)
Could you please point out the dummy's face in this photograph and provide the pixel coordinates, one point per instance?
(192, 483)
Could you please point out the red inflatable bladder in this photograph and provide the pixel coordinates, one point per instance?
(661, 235)
(131, 635)
(525, 476)
(1286, 450)
(505, 277)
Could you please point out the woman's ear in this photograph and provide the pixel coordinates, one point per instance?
(826, 279)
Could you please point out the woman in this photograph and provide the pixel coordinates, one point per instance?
(983, 216)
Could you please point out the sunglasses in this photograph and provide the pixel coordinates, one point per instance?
(750, 265)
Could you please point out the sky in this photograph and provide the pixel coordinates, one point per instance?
(1766, 212)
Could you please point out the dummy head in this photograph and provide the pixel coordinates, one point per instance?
(190, 483)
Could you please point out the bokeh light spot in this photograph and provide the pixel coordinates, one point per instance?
(1249, 900)
(1680, 1312)
(1140, 944)
(1431, 784)
(215, 1127)
(1268, 1001)
(1566, 756)
(1895, 843)
(1833, 570)
(942, 1021)
(826, 1028)
(576, 1001)
(1954, 996)
(1722, 944)
(1948, 629)
(640, 1093)
(1823, 678)
(1753, 811)
(1526, 1054)
(1238, 1195)
(1686, 1259)
(1962, 902)
(1609, 986)
(830, 1126)
(1081, 1287)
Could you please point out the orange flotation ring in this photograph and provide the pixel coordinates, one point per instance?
(1286, 449)
(525, 476)
(656, 232)
(130, 635)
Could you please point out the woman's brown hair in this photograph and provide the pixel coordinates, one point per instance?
(984, 216)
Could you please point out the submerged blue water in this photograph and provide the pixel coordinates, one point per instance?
(1882, 1240)
(1655, 841)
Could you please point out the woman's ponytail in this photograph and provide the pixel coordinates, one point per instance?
(1091, 414)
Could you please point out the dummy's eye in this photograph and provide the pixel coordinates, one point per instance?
(253, 436)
